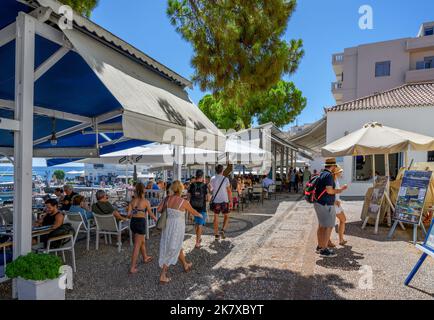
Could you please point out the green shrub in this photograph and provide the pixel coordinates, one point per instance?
(37, 267)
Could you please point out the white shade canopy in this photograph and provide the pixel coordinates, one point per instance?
(374, 138)
(236, 151)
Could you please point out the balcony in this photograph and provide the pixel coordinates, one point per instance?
(421, 75)
(338, 62)
(421, 43)
(337, 90)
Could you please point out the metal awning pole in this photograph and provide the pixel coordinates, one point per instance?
(373, 168)
(23, 139)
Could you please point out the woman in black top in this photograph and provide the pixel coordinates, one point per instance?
(53, 218)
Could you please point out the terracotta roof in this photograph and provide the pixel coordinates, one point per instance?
(406, 96)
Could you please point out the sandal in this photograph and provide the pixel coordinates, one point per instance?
(222, 233)
(331, 245)
(343, 243)
(189, 267)
(165, 281)
(216, 237)
(148, 259)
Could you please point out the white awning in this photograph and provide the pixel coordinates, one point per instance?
(152, 106)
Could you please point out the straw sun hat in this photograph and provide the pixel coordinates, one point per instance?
(338, 169)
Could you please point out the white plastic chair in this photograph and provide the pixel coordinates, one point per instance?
(258, 193)
(150, 222)
(70, 245)
(3, 248)
(86, 228)
(107, 225)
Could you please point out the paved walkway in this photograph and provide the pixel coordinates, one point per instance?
(268, 254)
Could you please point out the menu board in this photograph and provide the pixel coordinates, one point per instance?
(377, 196)
(411, 197)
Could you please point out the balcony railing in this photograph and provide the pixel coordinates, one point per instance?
(338, 58)
(337, 86)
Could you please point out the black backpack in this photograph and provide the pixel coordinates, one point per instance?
(198, 196)
(311, 192)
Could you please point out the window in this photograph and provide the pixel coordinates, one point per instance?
(382, 69)
(362, 167)
(429, 31)
(430, 156)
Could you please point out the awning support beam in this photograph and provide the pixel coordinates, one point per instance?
(50, 62)
(10, 105)
(9, 124)
(23, 139)
(7, 34)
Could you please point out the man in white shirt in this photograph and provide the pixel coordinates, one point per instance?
(221, 201)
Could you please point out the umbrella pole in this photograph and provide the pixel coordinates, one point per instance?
(406, 158)
(373, 168)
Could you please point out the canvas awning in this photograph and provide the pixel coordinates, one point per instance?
(152, 107)
(374, 138)
(236, 151)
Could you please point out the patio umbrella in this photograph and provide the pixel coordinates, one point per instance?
(374, 138)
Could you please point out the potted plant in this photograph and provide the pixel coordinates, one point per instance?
(38, 276)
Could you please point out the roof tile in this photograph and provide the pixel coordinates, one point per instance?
(408, 95)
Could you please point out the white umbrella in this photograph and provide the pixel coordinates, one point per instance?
(374, 138)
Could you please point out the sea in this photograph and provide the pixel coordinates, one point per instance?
(6, 172)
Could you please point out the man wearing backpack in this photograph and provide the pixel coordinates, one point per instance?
(221, 201)
(198, 196)
(325, 207)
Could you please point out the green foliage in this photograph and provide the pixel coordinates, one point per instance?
(36, 267)
(83, 7)
(280, 105)
(238, 45)
(59, 174)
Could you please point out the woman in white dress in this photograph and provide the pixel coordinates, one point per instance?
(173, 234)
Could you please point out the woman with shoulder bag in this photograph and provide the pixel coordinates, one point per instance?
(172, 223)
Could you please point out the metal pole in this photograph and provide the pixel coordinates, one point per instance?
(373, 168)
(23, 139)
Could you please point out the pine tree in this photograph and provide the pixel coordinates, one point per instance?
(238, 45)
(83, 7)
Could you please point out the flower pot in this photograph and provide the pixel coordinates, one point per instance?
(42, 290)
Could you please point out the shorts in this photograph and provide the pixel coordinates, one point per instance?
(138, 226)
(326, 215)
(339, 209)
(221, 208)
(200, 221)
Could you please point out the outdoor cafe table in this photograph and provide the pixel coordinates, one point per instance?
(36, 231)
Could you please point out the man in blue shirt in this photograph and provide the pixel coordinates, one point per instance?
(325, 207)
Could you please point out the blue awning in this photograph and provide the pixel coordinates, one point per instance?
(94, 80)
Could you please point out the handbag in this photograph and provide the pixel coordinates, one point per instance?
(212, 204)
(161, 222)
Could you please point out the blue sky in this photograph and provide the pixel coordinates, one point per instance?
(326, 27)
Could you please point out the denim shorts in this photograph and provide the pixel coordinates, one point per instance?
(201, 221)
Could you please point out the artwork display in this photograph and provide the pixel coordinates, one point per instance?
(411, 196)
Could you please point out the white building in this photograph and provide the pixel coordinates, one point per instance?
(409, 107)
(371, 68)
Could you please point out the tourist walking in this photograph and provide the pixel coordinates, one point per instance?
(340, 214)
(220, 201)
(294, 181)
(138, 211)
(307, 175)
(325, 207)
(172, 236)
(198, 196)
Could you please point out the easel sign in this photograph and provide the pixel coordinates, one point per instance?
(428, 250)
(377, 198)
(411, 200)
